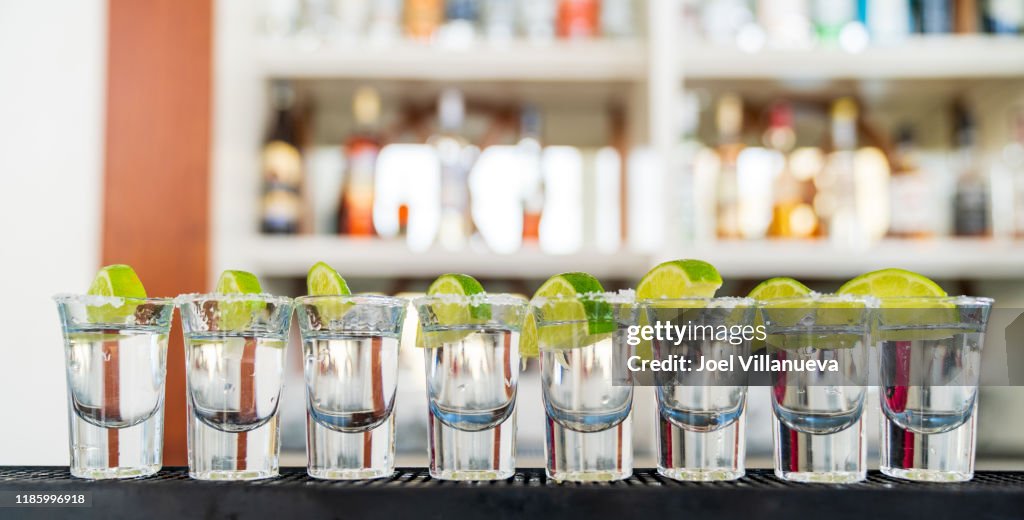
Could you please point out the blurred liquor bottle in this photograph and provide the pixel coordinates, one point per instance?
(966, 16)
(912, 197)
(538, 19)
(971, 201)
(722, 21)
(355, 217)
(500, 20)
(1004, 16)
(353, 19)
(385, 21)
(697, 166)
(460, 25)
(787, 23)
(578, 18)
(1008, 182)
(831, 17)
(617, 19)
(282, 168)
(451, 148)
(934, 16)
(888, 21)
(792, 214)
(281, 19)
(729, 118)
(423, 18)
(531, 146)
(836, 201)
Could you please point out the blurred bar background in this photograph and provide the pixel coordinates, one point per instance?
(510, 140)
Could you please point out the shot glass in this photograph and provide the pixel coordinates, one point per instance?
(471, 355)
(234, 371)
(588, 412)
(115, 351)
(701, 428)
(350, 348)
(930, 365)
(818, 358)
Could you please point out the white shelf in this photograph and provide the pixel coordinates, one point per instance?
(942, 57)
(558, 61)
(292, 256)
(970, 259)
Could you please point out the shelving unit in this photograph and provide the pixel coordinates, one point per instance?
(649, 72)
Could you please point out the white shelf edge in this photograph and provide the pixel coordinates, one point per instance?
(969, 259)
(559, 61)
(940, 57)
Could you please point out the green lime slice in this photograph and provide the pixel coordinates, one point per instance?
(323, 280)
(575, 313)
(674, 279)
(454, 313)
(773, 289)
(236, 315)
(118, 280)
(780, 287)
(901, 292)
(679, 279)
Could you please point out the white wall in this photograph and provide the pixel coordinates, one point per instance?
(52, 65)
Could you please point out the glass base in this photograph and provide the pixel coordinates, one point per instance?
(334, 455)
(600, 456)
(924, 475)
(465, 455)
(696, 475)
(702, 455)
(114, 473)
(233, 475)
(813, 477)
(933, 457)
(831, 458)
(218, 455)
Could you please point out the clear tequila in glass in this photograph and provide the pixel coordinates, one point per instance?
(817, 414)
(234, 368)
(472, 373)
(701, 430)
(930, 365)
(116, 359)
(350, 352)
(588, 413)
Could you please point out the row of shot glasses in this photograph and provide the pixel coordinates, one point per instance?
(928, 354)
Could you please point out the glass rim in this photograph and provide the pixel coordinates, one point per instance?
(959, 301)
(182, 299)
(501, 299)
(380, 300)
(737, 301)
(814, 299)
(93, 300)
(623, 297)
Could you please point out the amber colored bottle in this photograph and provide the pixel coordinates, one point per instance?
(578, 18)
(422, 18)
(355, 218)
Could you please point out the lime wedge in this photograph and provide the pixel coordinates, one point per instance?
(775, 288)
(892, 283)
(118, 280)
(675, 279)
(574, 313)
(680, 279)
(905, 300)
(238, 314)
(456, 312)
(238, 282)
(323, 280)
